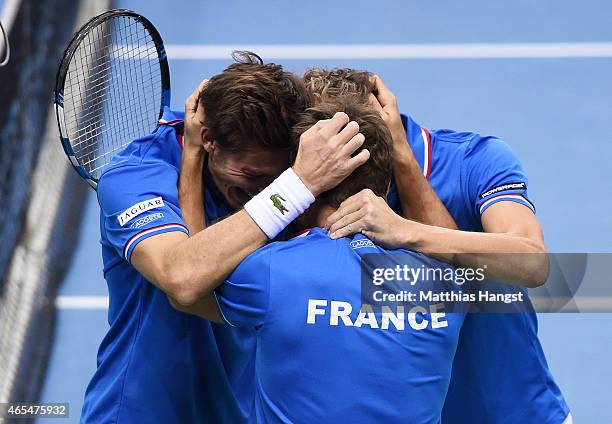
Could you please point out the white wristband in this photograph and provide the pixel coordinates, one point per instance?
(279, 203)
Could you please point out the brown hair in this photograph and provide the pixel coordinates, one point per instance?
(327, 84)
(376, 173)
(252, 105)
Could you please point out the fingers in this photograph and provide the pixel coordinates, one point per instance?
(320, 125)
(200, 88)
(347, 207)
(331, 127)
(373, 101)
(358, 160)
(358, 201)
(348, 132)
(353, 144)
(385, 97)
(347, 221)
(191, 105)
(351, 228)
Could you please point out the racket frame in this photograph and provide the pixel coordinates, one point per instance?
(62, 72)
(7, 47)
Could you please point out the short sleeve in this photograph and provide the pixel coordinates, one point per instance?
(492, 173)
(419, 140)
(243, 299)
(139, 201)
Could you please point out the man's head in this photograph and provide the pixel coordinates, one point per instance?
(328, 84)
(250, 109)
(376, 173)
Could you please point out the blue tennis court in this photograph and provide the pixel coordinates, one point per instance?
(553, 111)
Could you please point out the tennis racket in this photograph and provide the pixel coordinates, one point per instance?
(5, 48)
(111, 88)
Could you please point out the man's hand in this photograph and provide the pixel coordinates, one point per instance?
(419, 202)
(510, 228)
(324, 155)
(386, 103)
(194, 121)
(191, 182)
(369, 214)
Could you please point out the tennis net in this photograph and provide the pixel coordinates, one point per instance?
(40, 197)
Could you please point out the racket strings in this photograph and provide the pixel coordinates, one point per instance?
(112, 91)
(96, 90)
(99, 96)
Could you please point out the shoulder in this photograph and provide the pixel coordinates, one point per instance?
(144, 158)
(488, 146)
(490, 155)
(443, 135)
(162, 147)
(257, 264)
(288, 254)
(463, 138)
(134, 178)
(314, 242)
(265, 254)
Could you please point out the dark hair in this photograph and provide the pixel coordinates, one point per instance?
(376, 173)
(327, 84)
(252, 105)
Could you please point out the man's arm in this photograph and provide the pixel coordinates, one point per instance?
(191, 193)
(188, 268)
(242, 299)
(429, 227)
(418, 200)
(512, 246)
(191, 201)
(204, 307)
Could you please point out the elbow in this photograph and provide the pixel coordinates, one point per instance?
(179, 287)
(182, 282)
(537, 278)
(176, 305)
(543, 270)
(537, 267)
(182, 299)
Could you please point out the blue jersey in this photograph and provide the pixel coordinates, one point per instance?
(326, 356)
(500, 374)
(155, 364)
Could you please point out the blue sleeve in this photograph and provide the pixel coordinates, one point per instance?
(139, 201)
(243, 299)
(492, 173)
